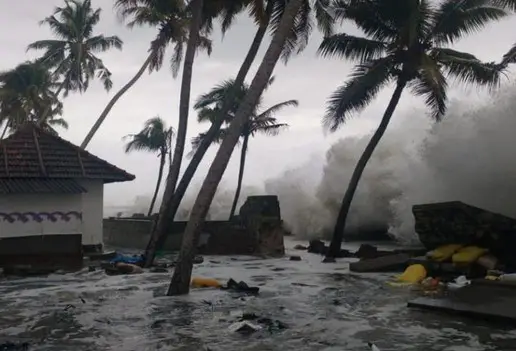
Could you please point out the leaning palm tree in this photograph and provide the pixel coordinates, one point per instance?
(73, 54)
(262, 122)
(25, 92)
(406, 43)
(267, 14)
(171, 19)
(180, 282)
(155, 137)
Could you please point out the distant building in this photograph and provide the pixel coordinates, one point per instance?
(50, 188)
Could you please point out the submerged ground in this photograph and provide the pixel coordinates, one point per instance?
(324, 305)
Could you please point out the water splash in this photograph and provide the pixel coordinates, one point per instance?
(467, 157)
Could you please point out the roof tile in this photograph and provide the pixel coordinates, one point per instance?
(32, 152)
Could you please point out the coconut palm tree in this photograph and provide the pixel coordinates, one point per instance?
(25, 92)
(406, 42)
(171, 18)
(180, 283)
(73, 54)
(262, 122)
(267, 16)
(155, 137)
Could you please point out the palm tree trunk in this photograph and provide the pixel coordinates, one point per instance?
(170, 205)
(5, 129)
(340, 224)
(240, 176)
(43, 118)
(180, 283)
(158, 183)
(114, 100)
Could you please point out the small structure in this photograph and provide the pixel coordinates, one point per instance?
(51, 199)
(258, 230)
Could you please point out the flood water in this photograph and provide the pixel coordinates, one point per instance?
(325, 307)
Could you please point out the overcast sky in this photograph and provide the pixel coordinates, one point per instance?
(306, 77)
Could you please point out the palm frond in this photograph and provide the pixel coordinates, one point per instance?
(456, 18)
(510, 56)
(367, 79)
(351, 47)
(506, 4)
(270, 130)
(101, 43)
(276, 108)
(431, 85)
(466, 68)
(371, 17)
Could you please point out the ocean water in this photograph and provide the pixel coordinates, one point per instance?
(325, 307)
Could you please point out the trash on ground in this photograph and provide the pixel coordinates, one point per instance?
(414, 274)
(199, 282)
(240, 287)
(468, 254)
(443, 253)
(120, 268)
(460, 282)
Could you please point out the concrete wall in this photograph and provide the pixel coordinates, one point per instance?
(31, 214)
(133, 233)
(92, 212)
(258, 231)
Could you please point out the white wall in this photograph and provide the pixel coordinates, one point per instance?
(92, 212)
(23, 203)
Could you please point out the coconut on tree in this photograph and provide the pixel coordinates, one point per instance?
(155, 137)
(26, 91)
(406, 43)
(72, 55)
(261, 121)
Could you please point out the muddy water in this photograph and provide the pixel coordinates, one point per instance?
(325, 307)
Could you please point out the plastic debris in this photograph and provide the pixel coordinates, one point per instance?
(373, 347)
(460, 282)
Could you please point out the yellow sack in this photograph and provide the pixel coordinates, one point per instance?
(468, 254)
(413, 274)
(444, 252)
(198, 282)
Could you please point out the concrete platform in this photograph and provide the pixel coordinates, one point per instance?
(481, 301)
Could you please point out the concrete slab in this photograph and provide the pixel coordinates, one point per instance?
(390, 263)
(487, 302)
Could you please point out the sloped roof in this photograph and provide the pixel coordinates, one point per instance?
(40, 186)
(32, 152)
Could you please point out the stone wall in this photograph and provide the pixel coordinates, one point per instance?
(258, 230)
(456, 222)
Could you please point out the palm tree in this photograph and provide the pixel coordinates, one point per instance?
(171, 18)
(73, 54)
(155, 137)
(180, 282)
(406, 43)
(25, 92)
(259, 123)
(267, 16)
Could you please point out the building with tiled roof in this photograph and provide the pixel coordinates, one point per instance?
(49, 186)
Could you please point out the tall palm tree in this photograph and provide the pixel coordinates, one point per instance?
(73, 54)
(180, 283)
(171, 18)
(405, 43)
(262, 122)
(267, 16)
(155, 137)
(25, 92)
